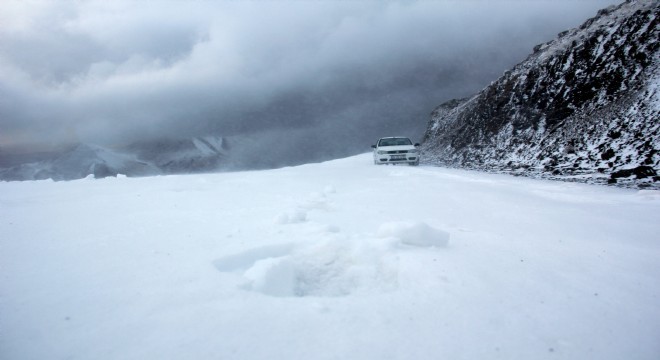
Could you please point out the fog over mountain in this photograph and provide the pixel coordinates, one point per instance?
(295, 80)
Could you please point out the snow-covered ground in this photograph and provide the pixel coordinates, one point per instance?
(339, 260)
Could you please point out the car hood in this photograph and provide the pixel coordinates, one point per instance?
(396, 148)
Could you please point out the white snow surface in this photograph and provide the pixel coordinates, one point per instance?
(338, 260)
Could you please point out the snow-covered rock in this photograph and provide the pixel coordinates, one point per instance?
(583, 107)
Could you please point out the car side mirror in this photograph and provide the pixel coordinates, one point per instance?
(373, 146)
(416, 144)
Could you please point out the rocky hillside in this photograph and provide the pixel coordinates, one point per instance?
(583, 107)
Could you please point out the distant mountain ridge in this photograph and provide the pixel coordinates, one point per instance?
(583, 107)
(167, 156)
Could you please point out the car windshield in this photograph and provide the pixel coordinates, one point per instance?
(394, 142)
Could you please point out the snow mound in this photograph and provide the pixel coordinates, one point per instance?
(330, 268)
(317, 200)
(242, 261)
(272, 276)
(292, 217)
(414, 233)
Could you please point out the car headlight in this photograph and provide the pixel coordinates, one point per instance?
(381, 152)
(413, 151)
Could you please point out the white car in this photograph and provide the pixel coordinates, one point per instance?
(395, 150)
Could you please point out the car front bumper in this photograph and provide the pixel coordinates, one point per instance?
(396, 159)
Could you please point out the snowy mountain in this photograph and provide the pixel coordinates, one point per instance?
(583, 107)
(321, 261)
(79, 162)
(193, 155)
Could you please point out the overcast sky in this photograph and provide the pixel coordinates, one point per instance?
(118, 71)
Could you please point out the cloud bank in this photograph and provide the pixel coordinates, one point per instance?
(124, 71)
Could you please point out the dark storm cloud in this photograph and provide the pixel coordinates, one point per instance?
(109, 72)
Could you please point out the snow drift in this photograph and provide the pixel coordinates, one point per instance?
(371, 262)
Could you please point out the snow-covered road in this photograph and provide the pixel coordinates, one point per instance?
(339, 260)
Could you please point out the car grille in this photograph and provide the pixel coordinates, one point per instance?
(397, 152)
